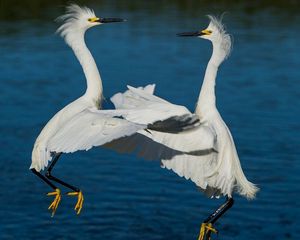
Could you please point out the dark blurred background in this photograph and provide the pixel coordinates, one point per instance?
(126, 197)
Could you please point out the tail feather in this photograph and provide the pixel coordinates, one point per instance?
(243, 186)
(246, 188)
(40, 158)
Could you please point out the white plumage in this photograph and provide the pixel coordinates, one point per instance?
(81, 125)
(207, 154)
(88, 129)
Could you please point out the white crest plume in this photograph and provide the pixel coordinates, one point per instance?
(75, 22)
(223, 38)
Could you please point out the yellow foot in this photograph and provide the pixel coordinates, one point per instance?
(79, 203)
(53, 206)
(205, 230)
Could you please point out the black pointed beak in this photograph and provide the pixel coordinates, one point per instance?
(190, 34)
(111, 20)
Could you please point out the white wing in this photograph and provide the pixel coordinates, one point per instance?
(200, 170)
(138, 105)
(155, 145)
(88, 129)
(143, 147)
(191, 154)
(192, 141)
(158, 118)
(196, 139)
(199, 166)
(128, 99)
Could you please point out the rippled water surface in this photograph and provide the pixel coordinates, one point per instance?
(126, 197)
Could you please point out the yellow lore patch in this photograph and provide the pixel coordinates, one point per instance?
(94, 19)
(206, 32)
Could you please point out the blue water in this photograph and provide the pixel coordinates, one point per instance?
(129, 198)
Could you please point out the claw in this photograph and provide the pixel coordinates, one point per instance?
(80, 200)
(205, 229)
(53, 206)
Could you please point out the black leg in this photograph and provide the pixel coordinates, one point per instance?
(207, 225)
(49, 176)
(53, 206)
(43, 178)
(220, 211)
(76, 192)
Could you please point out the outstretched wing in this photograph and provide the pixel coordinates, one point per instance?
(153, 145)
(191, 154)
(90, 128)
(139, 105)
(196, 139)
(143, 147)
(202, 171)
(93, 127)
(130, 100)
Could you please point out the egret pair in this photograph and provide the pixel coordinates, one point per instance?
(197, 145)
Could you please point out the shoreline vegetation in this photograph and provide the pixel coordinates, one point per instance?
(32, 9)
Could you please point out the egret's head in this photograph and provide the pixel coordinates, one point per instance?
(215, 32)
(78, 19)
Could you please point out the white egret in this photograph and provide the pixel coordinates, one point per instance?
(81, 125)
(206, 155)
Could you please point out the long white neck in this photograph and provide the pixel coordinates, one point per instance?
(94, 84)
(207, 98)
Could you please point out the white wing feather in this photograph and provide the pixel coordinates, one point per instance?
(139, 105)
(199, 169)
(191, 154)
(153, 145)
(88, 129)
(130, 100)
(143, 147)
(198, 139)
(192, 141)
